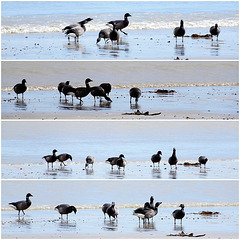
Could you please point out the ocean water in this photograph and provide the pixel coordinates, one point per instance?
(45, 75)
(46, 17)
(26, 142)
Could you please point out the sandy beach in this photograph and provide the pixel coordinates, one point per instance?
(138, 45)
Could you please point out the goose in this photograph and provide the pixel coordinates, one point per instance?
(150, 213)
(112, 211)
(121, 162)
(20, 88)
(114, 35)
(120, 24)
(214, 30)
(76, 30)
(105, 34)
(179, 31)
(105, 206)
(99, 92)
(135, 93)
(65, 209)
(64, 157)
(173, 159)
(202, 160)
(22, 205)
(51, 158)
(140, 212)
(81, 92)
(107, 87)
(156, 158)
(61, 85)
(89, 160)
(179, 213)
(113, 160)
(68, 90)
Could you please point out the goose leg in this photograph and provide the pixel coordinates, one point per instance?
(123, 32)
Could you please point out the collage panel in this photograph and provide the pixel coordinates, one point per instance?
(202, 209)
(120, 30)
(141, 150)
(133, 90)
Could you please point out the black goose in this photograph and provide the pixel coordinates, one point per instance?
(76, 30)
(113, 160)
(20, 88)
(179, 31)
(51, 158)
(156, 158)
(173, 159)
(22, 205)
(179, 213)
(215, 31)
(99, 92)
(89, 160)
(65, 209)
(68, 90)
(83, 91)
(107, 87)
(112, 211)
(121, 163)
(120, 24)
(140, 212)
(60, 87)
(135, 93)
(64, 157)
(105, 206)
(105, 34)
(202, 160)
(114, 35)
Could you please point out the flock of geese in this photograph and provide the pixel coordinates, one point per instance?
(77, 29)
(119, 161)
(148, 211)
(101, 91)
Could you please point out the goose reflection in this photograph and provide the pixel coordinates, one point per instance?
(178, 227)
(21, 104)
(179, 49)
(156, 172)
(66, 225)
(172, 174)
(22, 221)
(89, 171)
(135, 106)
(110, 225)
(146, 226)
(103, 104)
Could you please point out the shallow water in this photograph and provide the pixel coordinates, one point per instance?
(88, 197)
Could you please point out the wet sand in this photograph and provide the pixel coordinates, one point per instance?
(89, 223)
(220, 102)
(225, 169)
(138, 44)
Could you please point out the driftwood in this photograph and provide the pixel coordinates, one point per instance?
(191, 164)
(208, 36)
(182, 234)
(142, 113)
(163, 91)
(208, 213)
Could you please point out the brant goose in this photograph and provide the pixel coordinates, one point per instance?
(202, 160)
(113, 160)
(214, 30)
(20, 88)
(81, 92)
(105, 206)
(107, 87)
(22, 205)
(179, 31)
(112, 211)
(63, 157)
(140, 212)
(77, 29)
(173, 159)
(51, 158)
(121, 162)
(105, 34)
(179, 213)
(61, 85)
(89, 160)
(120, 24)
(65, 209)
(135, 93)
(99, 92)
(68, 90)
(156, 158)
(114, 35)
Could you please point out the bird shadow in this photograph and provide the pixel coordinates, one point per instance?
(20, 104)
